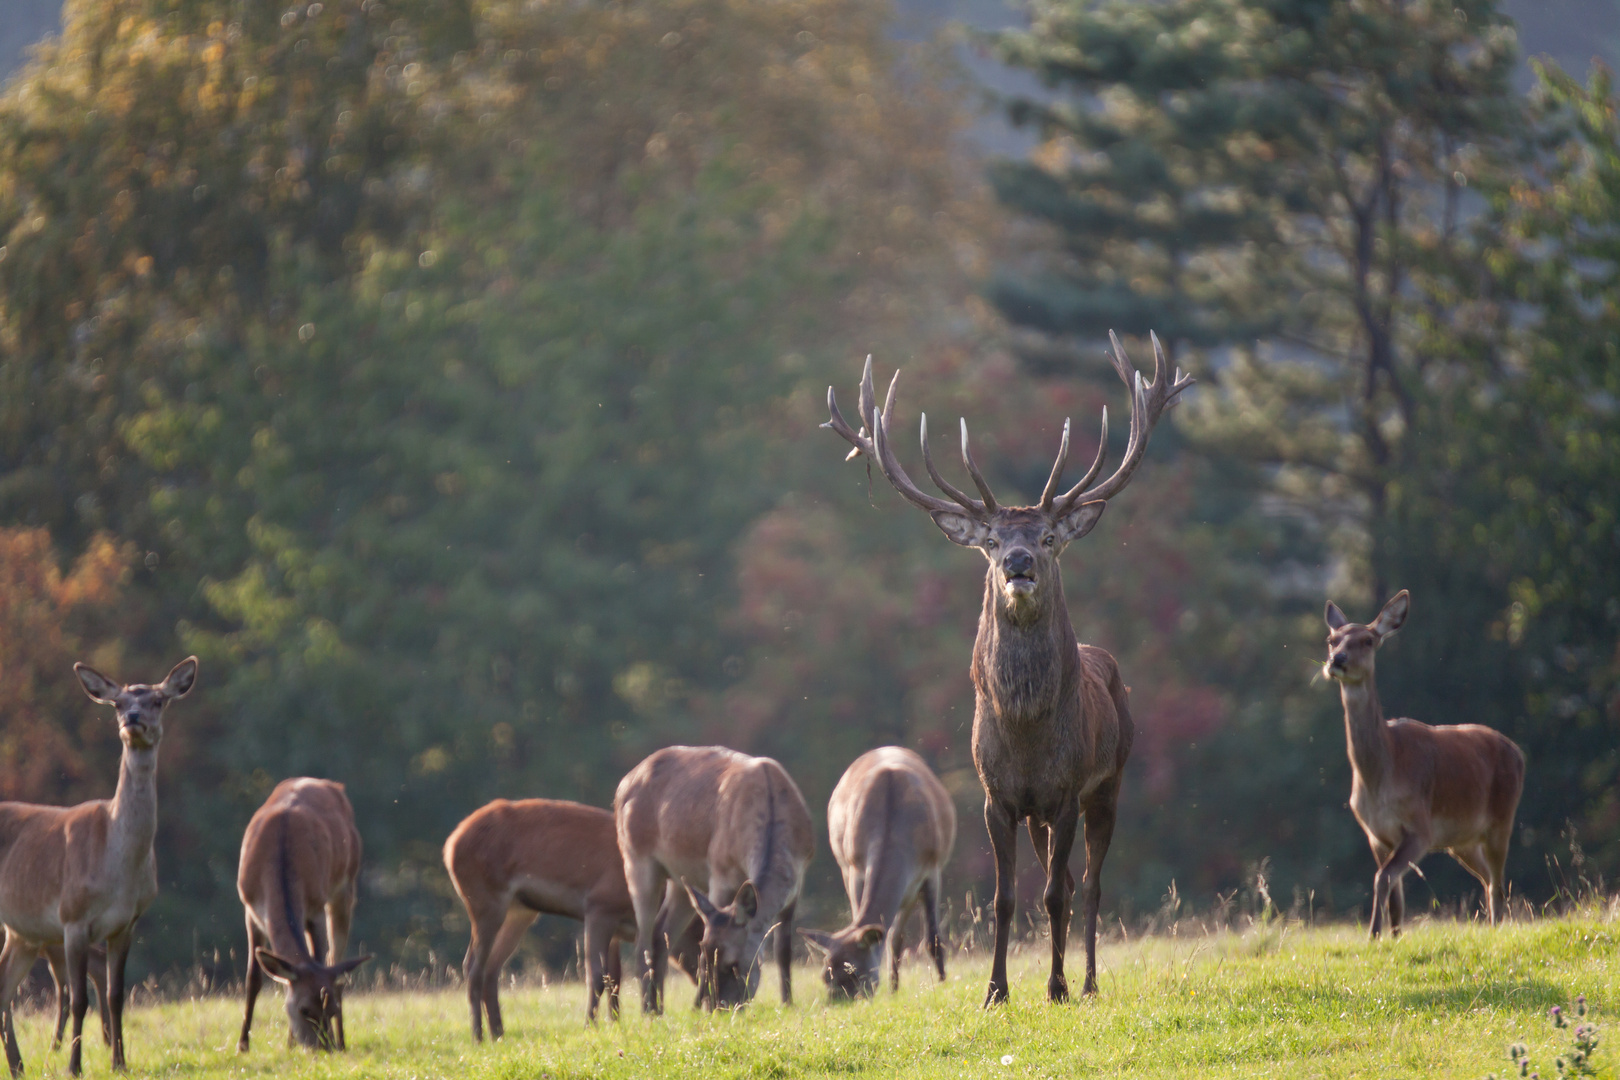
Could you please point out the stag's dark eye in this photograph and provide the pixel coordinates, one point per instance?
(1049, 540)
(991, 545)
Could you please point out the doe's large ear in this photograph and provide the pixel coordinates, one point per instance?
(869, 936)
(180, 681)
(283, 971)
(959, 528)
(819, 938)
(747, 902)
(343, 967)
(700, 900)
(101, 689)
(1077, 522)
(1394, 614)
(1335, 617)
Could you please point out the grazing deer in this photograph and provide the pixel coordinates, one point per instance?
(297, 879)
(892, 826)
(512, 862)
(730, 828)
(76, 876)
(1051, 723)
(1415, 788)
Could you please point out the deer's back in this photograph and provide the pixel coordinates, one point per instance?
(304, 840)
(890, 797)
(41, 849)
(547, 854)
(1469, 776)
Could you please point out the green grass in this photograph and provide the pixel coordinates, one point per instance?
(1279, 1001)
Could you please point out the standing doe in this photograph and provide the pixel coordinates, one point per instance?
(512, 862)
(734, 831)
(76, 876)
(1051, 723)
(1415, 788)
(892, 826)
(299, 872)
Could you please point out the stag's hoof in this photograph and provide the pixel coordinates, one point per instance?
(1057, 990)
(242, 1045)
(996, 995)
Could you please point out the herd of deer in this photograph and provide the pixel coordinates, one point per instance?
(704, 853)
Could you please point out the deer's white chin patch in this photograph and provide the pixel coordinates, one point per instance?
(1020, 586)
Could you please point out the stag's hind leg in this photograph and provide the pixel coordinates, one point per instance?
(1100, 815)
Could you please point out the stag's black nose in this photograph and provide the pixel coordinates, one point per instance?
(1018, 563)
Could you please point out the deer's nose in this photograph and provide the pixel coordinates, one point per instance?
(1018, 561)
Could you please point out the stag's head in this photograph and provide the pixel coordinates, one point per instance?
(314, 996)
(1022, 543)
(853, 955)
(1351, 645)
(139, 706)
(726, 970)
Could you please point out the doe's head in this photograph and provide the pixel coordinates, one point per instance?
(853, 956)
(725, 955)
(1351, 645)
(314, 996)
(138, 705)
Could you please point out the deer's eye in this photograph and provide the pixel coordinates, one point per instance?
(1049, 540)
(991, 545)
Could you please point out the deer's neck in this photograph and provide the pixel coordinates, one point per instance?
(133, 809)
(888, 869)
(285, 899)
(1024, 657)
(1366, 734)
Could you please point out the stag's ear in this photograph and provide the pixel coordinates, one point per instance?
(1335, 617)
(343, 967)
(959, 528)
(1394, 614)
(101, 689)
(181, 679)
(819, 938)
(282, 971)
(747, 902)
(869, 936)
(1077, 522)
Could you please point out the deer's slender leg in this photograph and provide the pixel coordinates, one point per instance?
(1407, 853)
(784, 950)
(896, 944)
(930, 899)
(615, 976)
(1059, 895)
(517, 922)
(1496, 852)
(339, 917)
(1099, 835)
(117, 957)
(646, 881)
(15, 960)
(1004, 841)
(76, 949)
(57, 961)
(599, 928)
(255, 982)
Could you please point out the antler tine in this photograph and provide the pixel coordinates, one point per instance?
(1148, 402)
(968, 503)
(1096, 465)
(897, 475)
(973, 471)
(866, 400)
(836, 423)
(1050, 491)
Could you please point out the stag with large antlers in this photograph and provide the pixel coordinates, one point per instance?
(1051, 725)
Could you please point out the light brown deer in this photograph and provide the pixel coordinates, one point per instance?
(1051, 724)
(297, 879)
(512, 862)
(1416, 788)
(736, 832)
(76, 876)
(892, 826)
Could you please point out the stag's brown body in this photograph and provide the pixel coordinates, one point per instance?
(731, 827)
(73, 876)
(297, 880)
(512, 862)
(1416, 788)
(892, 826)
(1051, 724)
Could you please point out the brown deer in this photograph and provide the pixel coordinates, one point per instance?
(892, 826)
(297, 879)
(733, 830)
(1051, 723)
(1415, 788)
(76, 876)
(512, 862)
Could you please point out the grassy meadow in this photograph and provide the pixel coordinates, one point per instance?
(1276, 1000)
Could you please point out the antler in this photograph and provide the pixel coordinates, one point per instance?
(1148, 402)
(876, 446)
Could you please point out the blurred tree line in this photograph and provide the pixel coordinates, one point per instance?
(446, 376)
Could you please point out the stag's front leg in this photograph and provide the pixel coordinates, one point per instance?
(1058, 895)
(1002, 826)
(1099, 835)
